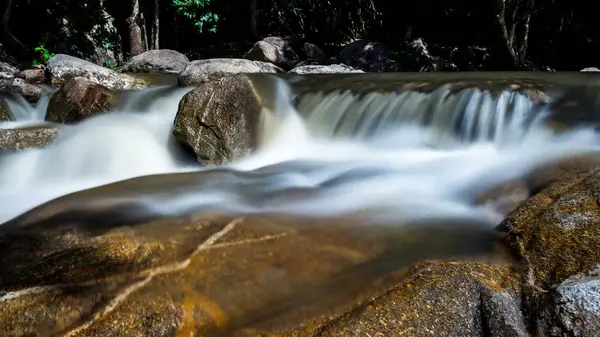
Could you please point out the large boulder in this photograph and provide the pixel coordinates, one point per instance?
(163, 61)
(219, 120)
(79, 98)
(202, 71)
(29, 137)
(87, 264)
(275, 50)
(61, 68)
(556, 233)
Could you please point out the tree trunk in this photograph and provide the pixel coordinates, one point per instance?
(155, 25)
(253, 19)
(136, 42)
(513, 23)
(142, 24)
(175, 31)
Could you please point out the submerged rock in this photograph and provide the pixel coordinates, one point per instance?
(4, 110)
(24, 138)
(79, 98)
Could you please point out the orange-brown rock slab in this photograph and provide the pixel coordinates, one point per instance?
(436, 299)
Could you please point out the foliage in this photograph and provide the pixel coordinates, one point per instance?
(198, 12)
(563, 34)
(43, 55)
(110, 64)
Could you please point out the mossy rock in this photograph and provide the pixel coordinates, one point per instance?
(557, 234)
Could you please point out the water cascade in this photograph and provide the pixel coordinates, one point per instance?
(390, 157)
(468, 116)
(24, 113)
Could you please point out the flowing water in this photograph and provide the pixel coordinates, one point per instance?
(24, 114)
(395, 157)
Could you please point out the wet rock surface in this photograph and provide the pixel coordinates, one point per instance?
(79, 98)
(4, 110)
(538, 89)
(105, 272)
(24, 138)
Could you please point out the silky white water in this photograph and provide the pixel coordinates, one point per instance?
(395, 174)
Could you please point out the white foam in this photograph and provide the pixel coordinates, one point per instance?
(404, 178)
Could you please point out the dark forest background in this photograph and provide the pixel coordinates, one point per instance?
(473, 34)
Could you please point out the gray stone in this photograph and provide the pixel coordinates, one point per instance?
(61, 68)
(164, 61)
(202, 71)
(577, 306)
(78, 99)
(18, 86)
(320, 69)
(7, 70)
(275, 50)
